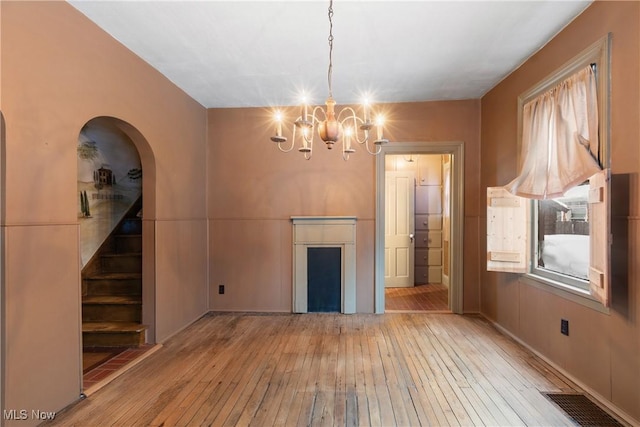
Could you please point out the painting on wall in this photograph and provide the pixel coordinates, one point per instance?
(109, 182)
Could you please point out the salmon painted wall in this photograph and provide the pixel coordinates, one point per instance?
(59, 71)
(602, 349)
(254, 189)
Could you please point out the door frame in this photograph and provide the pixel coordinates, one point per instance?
(456, 149)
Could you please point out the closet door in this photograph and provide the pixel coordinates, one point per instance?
(399, 229)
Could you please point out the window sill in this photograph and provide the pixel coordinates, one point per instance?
(579, 296)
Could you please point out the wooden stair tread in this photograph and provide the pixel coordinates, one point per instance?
(120, 254)
(114, 276)
(112, 327)
(111, 299)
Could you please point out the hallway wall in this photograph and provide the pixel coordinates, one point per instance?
(602, 349)
(58, 71)
(255, 189)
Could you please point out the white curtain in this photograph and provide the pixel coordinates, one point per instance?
(559, 139)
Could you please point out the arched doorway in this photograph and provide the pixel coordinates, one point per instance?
(116, 168)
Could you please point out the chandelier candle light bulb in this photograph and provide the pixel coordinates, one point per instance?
(278, 124)
(330, 129)
(304, 112)
(365, 110)
(379, 124)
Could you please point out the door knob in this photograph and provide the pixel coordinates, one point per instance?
(411, 237)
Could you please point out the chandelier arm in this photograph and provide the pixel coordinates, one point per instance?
(356, 122)
(293, 137)
(350, 111)
(373, 153)
(363, 141)
(286, 150)
(308, 137)
(293, 142)
(315, 119)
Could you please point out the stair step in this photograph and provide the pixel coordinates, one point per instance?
(128, 243)
(113, 334)
(116, 308)
(112, 284)
(122, 263)
(115, 276)
(111, 299)
(112, 327)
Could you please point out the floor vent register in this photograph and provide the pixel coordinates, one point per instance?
(582, 410)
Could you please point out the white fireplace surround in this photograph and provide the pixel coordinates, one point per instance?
(327, 232)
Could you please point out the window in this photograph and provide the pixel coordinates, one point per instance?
(562, 243)
(552, 221)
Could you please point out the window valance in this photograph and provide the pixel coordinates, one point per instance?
(559, 138)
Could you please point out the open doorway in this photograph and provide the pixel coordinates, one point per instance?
(417, 234)
(419, 241)
(117, 311)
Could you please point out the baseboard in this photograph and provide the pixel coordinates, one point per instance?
(613, 409)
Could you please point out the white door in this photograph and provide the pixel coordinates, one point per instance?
(399, 229)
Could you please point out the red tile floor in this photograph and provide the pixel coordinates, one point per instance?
(112, 362)
(430, 297)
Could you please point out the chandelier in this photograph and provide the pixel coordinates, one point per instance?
(347, 127)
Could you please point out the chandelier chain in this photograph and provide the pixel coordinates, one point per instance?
(330, 72)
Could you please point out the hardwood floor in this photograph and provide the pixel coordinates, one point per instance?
(431, 297)
(330, 369)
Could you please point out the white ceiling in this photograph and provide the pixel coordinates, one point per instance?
(263, 53)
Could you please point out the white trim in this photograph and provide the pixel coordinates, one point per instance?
(613, 409)
(324, 231)
(456, 149)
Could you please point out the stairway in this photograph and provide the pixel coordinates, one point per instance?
(112, 289)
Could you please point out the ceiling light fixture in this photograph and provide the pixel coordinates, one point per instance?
(332, 129)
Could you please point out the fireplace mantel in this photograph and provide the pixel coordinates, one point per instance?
(324, 231)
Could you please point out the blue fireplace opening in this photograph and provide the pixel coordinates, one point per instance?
(324, 273)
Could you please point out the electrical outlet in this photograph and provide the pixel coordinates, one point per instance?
(564, 327)
(221, 289)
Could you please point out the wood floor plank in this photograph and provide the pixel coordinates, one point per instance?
(421, 350)
(478, 372)
(453, 409)
(253, 392)
(304, 402)
(290, 406)
(368, 409)
(420, 399)
(211, 373)
(398, 383)
(231, 369)
(382, 396)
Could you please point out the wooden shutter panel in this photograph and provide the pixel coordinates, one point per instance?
(508, 232)
(599, 246)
